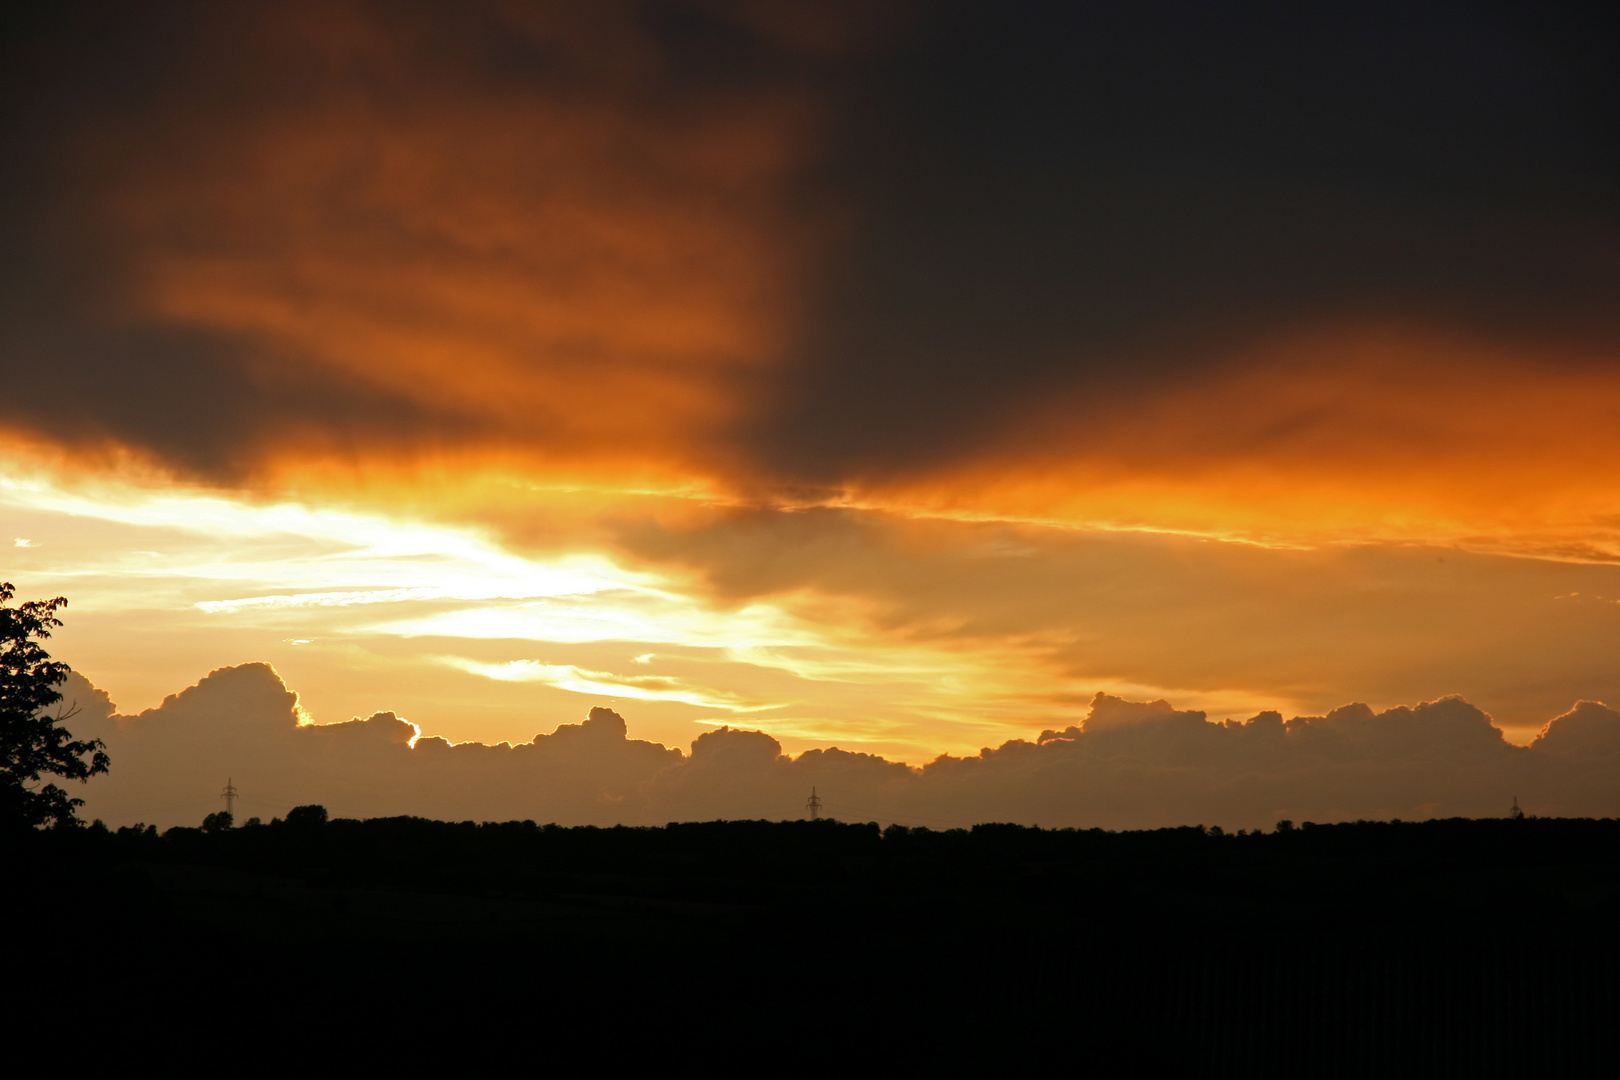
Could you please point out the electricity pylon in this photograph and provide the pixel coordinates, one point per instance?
(814, 805)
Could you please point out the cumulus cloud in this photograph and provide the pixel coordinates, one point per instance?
(1126, 765)
(1589, 730)
(242, 723)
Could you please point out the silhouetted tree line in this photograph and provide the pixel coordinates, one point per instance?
(1454, 947)
(1373, 872)
(1468, 948)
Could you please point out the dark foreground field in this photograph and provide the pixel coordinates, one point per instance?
(1443, 948)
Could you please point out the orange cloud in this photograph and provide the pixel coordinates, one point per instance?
(1383, 434)
(453, 265)
(773, 302)
(582, 275)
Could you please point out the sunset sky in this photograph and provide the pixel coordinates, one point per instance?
(894, 376)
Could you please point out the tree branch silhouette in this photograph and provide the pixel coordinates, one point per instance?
(33, 743)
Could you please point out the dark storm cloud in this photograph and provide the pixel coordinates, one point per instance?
(1101, 199)
(215, 217)
(240, 232)
(93, 94)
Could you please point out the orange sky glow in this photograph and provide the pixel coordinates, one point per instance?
(500, 389)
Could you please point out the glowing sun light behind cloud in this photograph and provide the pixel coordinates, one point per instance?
(230, 581)
(891, 375)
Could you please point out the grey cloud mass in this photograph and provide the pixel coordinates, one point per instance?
(1127, 765)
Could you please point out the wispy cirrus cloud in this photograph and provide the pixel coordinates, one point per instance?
(356, 597)
(606, 683)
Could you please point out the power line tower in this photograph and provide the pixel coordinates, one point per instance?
(1515, 813)
(814, 805)
(229, 795)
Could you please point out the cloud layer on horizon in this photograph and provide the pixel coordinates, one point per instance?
(1127, 765)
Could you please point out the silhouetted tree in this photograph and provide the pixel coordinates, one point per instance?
(219, 822)
(307, 817)
(33, 744)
